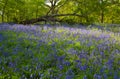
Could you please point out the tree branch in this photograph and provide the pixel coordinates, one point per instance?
(49, 18)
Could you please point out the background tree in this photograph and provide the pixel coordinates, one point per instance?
(70, 11)
(3, 6)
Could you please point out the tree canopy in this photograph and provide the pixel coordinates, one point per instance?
(69, 11)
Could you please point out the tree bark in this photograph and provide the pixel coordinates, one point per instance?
(102, 17)
(3, 10)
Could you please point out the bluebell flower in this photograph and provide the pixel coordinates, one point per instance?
(83, 55)
(78, 64)
(67, 63)
(60, 75)
(69, 77)
(84, 67)
(61, 67)
(61, 58)
(6, 54)
(77, 61)
(16, 69)
(0, 60)
(89, 44)
(102, 53)
(97, 76)
(105, 76)
(102, 70)
(11, 64)
(85, 77)
(72, 51)
(116, 75)
(1, 37)
(2, 48)
(70, 72)
(110, 63)
(14, 52)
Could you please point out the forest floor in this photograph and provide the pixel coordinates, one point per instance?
(59, 52)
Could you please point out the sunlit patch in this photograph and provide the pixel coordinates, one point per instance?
(28, 51)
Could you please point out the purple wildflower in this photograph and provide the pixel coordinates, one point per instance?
(85, 77)
(61, 67)
(67, 63)
(11, 64)
(97, 76)
(68, 77)
(105, 76)
(84, 67)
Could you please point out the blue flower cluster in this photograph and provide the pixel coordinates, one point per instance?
(46, 52)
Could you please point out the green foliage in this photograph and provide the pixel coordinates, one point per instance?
(92, 11)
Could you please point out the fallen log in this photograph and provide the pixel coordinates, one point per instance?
(48, 18)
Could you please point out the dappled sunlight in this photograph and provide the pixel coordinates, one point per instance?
(33, 51)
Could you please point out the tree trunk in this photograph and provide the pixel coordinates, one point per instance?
(37, 12)
(3, 10)
(102, 17)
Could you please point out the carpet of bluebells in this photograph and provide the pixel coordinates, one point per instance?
(58, 52)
